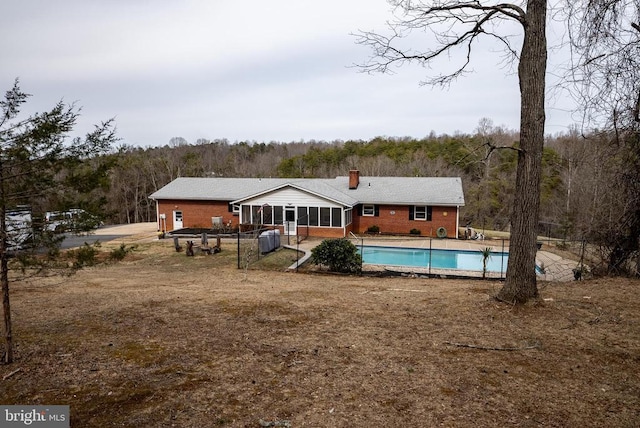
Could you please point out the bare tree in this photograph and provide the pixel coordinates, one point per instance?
(491, 189)
(605, 42)
(459, 25)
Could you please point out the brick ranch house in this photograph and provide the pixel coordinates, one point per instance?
(323, 207)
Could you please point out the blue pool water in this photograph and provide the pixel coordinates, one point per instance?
(439, 259)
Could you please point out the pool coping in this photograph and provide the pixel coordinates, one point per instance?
(555, 268)
(430, 273)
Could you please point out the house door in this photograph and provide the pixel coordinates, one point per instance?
(290, 221)
(177, 220)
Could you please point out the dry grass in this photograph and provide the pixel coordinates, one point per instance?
(165, 340)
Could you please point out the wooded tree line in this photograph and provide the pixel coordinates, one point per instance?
(581, 190)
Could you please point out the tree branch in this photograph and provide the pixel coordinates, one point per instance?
(493, 348)
(507, 9)
(603, 36)
(471, 15)
(491, 148)
(16, 371)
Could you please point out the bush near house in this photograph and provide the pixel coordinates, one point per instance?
(373, 229)
(340, 255)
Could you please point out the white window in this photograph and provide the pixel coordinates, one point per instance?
(422, 213)
(368, 210)
(336, 217)
(314, 216)
(325, 216)
(348, 216)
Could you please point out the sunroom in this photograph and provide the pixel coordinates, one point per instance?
(297, 211)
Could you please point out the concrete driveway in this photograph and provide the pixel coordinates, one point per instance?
(127, 233)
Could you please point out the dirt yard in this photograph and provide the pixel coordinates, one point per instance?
(162, 340)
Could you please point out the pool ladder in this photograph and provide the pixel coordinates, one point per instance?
(359, 240)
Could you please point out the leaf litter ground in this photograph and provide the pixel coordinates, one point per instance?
(165, 340)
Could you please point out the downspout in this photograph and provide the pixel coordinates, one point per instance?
(457, 220)
(344, 223)
(158, 220)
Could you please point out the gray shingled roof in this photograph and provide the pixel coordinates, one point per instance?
(406, 190)
(372, 190)
(216, 189)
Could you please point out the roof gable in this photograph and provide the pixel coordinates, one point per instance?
(317, 188)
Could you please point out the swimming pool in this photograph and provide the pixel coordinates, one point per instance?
(437, 259)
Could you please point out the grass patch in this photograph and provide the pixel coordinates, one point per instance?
(277, 260)
(170, 340)
(143, 354)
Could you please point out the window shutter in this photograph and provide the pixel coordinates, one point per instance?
(360, 209)
(230, 207)
(376, 211)
(411, 212)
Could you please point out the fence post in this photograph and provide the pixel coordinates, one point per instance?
(361, 254)
(430, 242)
(286, 230)
(502, 260)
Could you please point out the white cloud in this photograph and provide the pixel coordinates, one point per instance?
(250, 70)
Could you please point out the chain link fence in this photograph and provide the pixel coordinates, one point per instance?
(594, 255)
(596, 258)
(248, 247)
(559, 259)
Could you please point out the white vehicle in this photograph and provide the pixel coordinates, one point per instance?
(19, 228)
(61, 221)
(73, 219)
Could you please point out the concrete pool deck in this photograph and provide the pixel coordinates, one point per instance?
(556, 268)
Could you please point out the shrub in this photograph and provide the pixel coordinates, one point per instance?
(85, 255)
(373, 229)
(340, 255)
(121, 252)
(415, 232)
(486, 255)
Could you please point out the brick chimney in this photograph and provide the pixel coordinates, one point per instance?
(354, 178)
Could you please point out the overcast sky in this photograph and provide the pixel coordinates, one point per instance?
(250, 70)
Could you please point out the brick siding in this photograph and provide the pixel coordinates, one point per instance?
(394, 219)
(196, 213)
(199, 213)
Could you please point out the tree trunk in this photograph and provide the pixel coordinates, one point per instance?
(4, 277)
(520, 284)
(6, 306)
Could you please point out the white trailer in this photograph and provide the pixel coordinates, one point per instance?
(19, 227)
